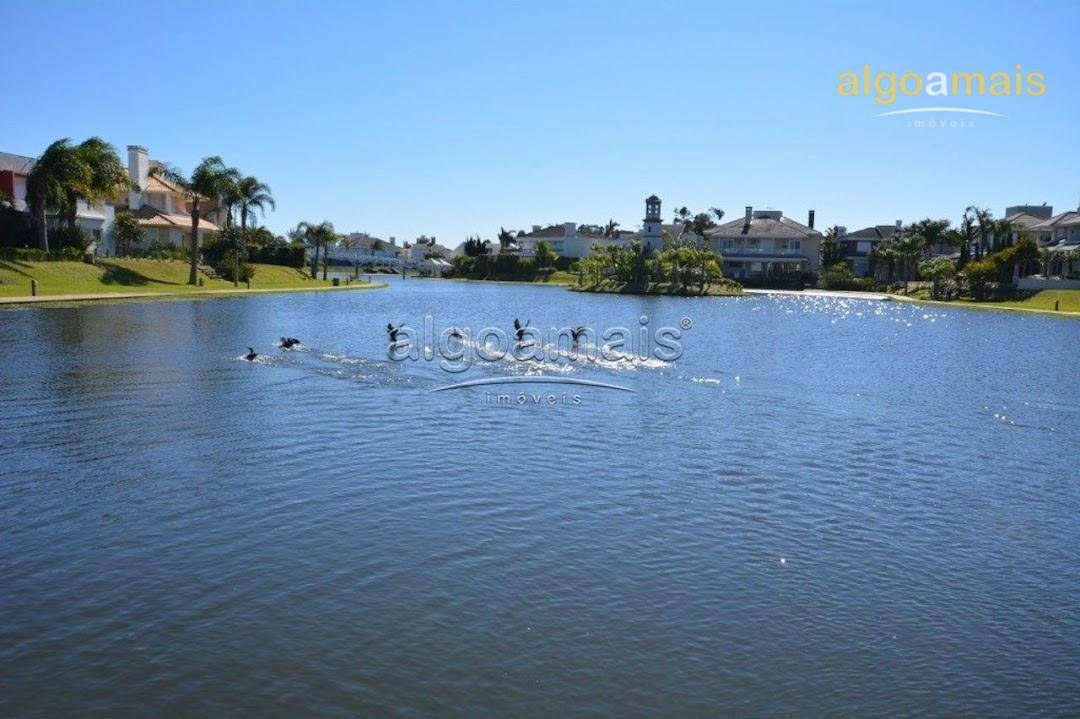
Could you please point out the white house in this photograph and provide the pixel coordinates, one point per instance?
(424, 247)
(96, 220)
(364, 249)
(1060, 235)
(569, 240)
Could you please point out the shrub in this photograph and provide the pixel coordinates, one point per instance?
(980, 276)
(33, 254)
(840, 277)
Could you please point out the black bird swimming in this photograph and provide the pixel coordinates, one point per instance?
(519, 329)
(287, 343)
(250, 356)
(392, 331)
(455, 334)
(577, 332)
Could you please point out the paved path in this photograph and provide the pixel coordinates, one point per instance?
(26, 300)
(823, 293)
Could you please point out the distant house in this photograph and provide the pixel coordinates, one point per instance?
(1058, 230)
(364, 249)
(766, 242)
(96, 220)
(856, 247)
(425, 248)
(566, 240)
(1024, 219)
(569, 240)
(1060, 235)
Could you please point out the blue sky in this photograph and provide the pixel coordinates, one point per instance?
(457, 118)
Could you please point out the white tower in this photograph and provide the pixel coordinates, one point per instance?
(652, 233)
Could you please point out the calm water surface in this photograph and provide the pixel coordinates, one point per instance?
(824, 507)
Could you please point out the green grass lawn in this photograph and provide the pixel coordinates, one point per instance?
(166, 276)
(1068, 300)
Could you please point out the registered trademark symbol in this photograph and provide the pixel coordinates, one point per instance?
(686, 323)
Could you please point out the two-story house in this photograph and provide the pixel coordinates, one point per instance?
(162, 209)
(765, 242)
(95, 220)
(856, 248)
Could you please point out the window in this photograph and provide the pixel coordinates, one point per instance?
(729, 244)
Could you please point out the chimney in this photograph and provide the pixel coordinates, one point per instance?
(139, 170)
(899, 224)
(536, 228)
(810, 221)
(569, 228)
(749, 214)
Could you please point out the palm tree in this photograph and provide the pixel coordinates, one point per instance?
(830, 246)
(316, 236)
(209, 180)
(58, 168)
(610, 227)
(102, 177)
(248, 195)
(254, 196)
(964, 237)
(506, 237)
(984, 220)
(931, 233)
(545, 256)
(1003, 232)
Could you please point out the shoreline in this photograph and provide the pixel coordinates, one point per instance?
(887, 297)
(988, 307)
(189, 294)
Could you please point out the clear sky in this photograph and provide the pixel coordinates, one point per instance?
(401, 118)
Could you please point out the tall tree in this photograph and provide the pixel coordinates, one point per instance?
(610, 227)
(1003, 234)
(102, 177)
(964, 237)
(249, 196)
(830, 246)
(317, 236)
(58, 168)
(210, 180)
(932, 233)
(545, 255)
(984, 223)
(505, 238)
(254, 196)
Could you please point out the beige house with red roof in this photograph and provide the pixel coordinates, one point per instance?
(162, 209)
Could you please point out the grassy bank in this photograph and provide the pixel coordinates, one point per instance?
(1040, 301)
(723, 288)
(128, 276)
(546, 277)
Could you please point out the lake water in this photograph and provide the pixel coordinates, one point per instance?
(823, 507)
